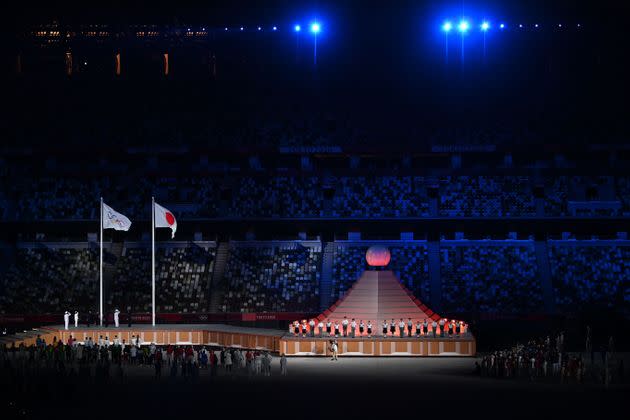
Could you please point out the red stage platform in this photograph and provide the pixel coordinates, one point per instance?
(376, 297)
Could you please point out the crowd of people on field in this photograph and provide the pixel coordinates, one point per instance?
(107, 359)
(547, 359)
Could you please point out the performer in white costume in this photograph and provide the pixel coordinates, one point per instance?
(66, 319)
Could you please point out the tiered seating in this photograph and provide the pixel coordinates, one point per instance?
(131, 286)
(181, 273)
(281, 277)
(277, 197)
(589, 275)
(410, 262)
(485, 196)
(490, 278)
(348, 265)
(58, 198)
(623, 193)
(556, 193)
(50, 280)
(384, 196)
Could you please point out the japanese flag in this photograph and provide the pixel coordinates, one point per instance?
(164, 218)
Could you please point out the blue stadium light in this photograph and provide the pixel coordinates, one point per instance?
(226, 29)
(485, 26)
(259, 28)
(463, 26)
(520, 25)
(559, 25)
(275, 28)
(315, 28)
(536, 26)
(447, 26)
(502, 25)
(242, 28)
(297, 28)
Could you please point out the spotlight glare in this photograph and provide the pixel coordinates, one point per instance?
(520, 25)
(259, 28)
(447, 26)
(502, 25)
(485, 26)
(242, 28)
(275, 28)
(560, 25)
(536, 26)
(297, 28)
(463, 26)
(315, 27)
(226, 29)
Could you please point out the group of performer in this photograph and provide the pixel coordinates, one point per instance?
(67, 315)
(349, 328)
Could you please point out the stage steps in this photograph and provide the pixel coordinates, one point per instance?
(216, 286)
(376, 296)
(325, 283)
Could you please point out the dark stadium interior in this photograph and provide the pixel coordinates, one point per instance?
(491, 162)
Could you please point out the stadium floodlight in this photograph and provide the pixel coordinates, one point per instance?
(536, 25)
(259, 28)
(447, 26)
(463, 26)
(275, 28)
(520, 25)
(297, 28)
(315, 28)
(559, 25)
(242, 28)
(485, 26)
(226, 29)
(502, 25)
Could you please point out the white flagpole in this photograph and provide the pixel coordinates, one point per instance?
(153, 260)
(101, 266)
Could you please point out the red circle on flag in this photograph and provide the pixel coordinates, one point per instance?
(170, 219)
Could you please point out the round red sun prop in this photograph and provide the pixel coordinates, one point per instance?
(377, 256)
